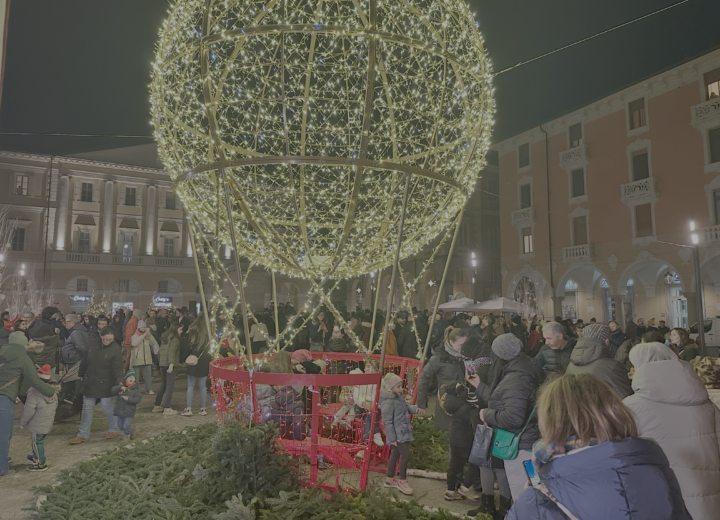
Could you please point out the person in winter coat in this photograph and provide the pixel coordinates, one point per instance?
(681, 342)
(129, 328)
(672, 408)
(101, 368)
(4, 336)
(75, 345)
(52, 345)
(337, 341)
(37, 418)
(198, 372)
(437, 334)
(518, 328)
(554, 356)
(143, 344)
(391, 349)
(16, 370)
(604, 471)
(448, 367)
(616, 339)
(510, 393)
(460, 440)
(708, 370)
(128, 397)
(407, 344)
(398, 430)
(169, 359)
(318, 332)
(591, 356)
(640, 328)
(630, 329)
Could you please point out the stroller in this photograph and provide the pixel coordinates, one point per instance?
(70, 396)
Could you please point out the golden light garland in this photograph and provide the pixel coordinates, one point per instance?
(311, 114)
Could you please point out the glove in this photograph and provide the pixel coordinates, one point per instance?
(170, 368)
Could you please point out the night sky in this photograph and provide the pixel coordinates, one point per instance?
(83, 66)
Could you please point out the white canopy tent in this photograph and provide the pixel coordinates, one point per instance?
(501, 305)
(460, 305)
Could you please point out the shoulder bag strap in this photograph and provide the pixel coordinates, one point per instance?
(545, 491)
(3, 387)
(528, 419)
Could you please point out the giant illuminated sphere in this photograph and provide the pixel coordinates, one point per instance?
(312, 114)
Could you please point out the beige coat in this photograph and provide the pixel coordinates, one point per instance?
(142, 349)
(672, 407)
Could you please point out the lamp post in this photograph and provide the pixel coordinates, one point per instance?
(473, 262)
(698, 288)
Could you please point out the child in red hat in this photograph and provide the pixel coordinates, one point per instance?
(38, 417)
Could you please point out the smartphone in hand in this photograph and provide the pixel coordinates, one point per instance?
(530, 470)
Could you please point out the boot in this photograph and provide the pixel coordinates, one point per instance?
(503, 509)
(486, 506)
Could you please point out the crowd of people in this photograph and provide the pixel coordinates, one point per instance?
(57, 365)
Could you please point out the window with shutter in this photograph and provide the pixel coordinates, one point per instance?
(528, 246)
(641, 166)
(714, 139)
(636, 110)
(84, 242)
(169, 248)
(712, 84)
(127, 248)
(22, 185)
(580, 236)
(82, 285)
(643, 220)
(86, 192)
(525, 196)
(123, 285)
(575, 135)
(162, 286)
(130, 196)
(578, 183)
(18, 240)
(524, 155)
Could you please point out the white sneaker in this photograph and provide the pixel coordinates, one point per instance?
(469, 493)
(170, 411)
(150, 392)
(378, 440)
(186, 412)
(202, 411)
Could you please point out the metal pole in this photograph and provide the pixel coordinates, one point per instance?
(440, 288)
(371, 342)
(199, 276)
(699, 300)
(238, 268)
(47, 218)
(275, 308)
(391, 294)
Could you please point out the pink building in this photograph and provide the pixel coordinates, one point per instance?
(588, 200)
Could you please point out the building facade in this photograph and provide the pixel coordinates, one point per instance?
(595, 205)
(87, 226)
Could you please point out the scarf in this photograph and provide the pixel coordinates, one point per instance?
(544, 453)
(454, 353)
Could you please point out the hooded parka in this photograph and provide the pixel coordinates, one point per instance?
(591, 356)
(672, 408)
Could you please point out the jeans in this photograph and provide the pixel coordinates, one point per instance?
(203, 390)
(402, 451)
(38, 447)
(146, 371)
(6, 428)
(124, 424)
(456, 470)
(167, 385)
(87, 415)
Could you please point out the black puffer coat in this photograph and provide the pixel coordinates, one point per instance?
(448, 370)
(48, 356)
(101, 366)
(617, 338)
(512, 398)
(554, 360)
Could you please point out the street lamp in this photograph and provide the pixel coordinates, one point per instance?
(698, 288)
(473, 262)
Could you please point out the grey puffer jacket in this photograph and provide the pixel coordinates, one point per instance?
(552, 360)
(591, 356)
(39, 412)
(127, 408)
(448, 370)
(396, 417)
(513, 397)
(75, 346)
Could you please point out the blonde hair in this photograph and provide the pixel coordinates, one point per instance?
(454, 333)
(581, 405)
(280, 363)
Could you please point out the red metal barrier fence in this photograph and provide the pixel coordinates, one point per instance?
(319, 422)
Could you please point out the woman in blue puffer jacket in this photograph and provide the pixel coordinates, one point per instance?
(591, 464)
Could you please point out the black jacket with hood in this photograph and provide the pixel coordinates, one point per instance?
(591, 356)
(552, 360)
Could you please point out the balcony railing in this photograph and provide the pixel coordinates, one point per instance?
(578, 253)
(82, 258)
(712, 234)
(574, 157)
(169, 261)
(639, 192)
(706, 114)
(523, 217)
(131, 260)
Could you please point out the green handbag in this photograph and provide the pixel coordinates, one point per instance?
(505, 443)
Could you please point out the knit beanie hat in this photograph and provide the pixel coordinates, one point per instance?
(336, 333)
(356, 371)
(302, 356)
(597, 331)
(18, 338)
(44, 372)
(517, 320)
(391, 379)
(141, 325)
(475, 320)
(507, 346)
(129, 373)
